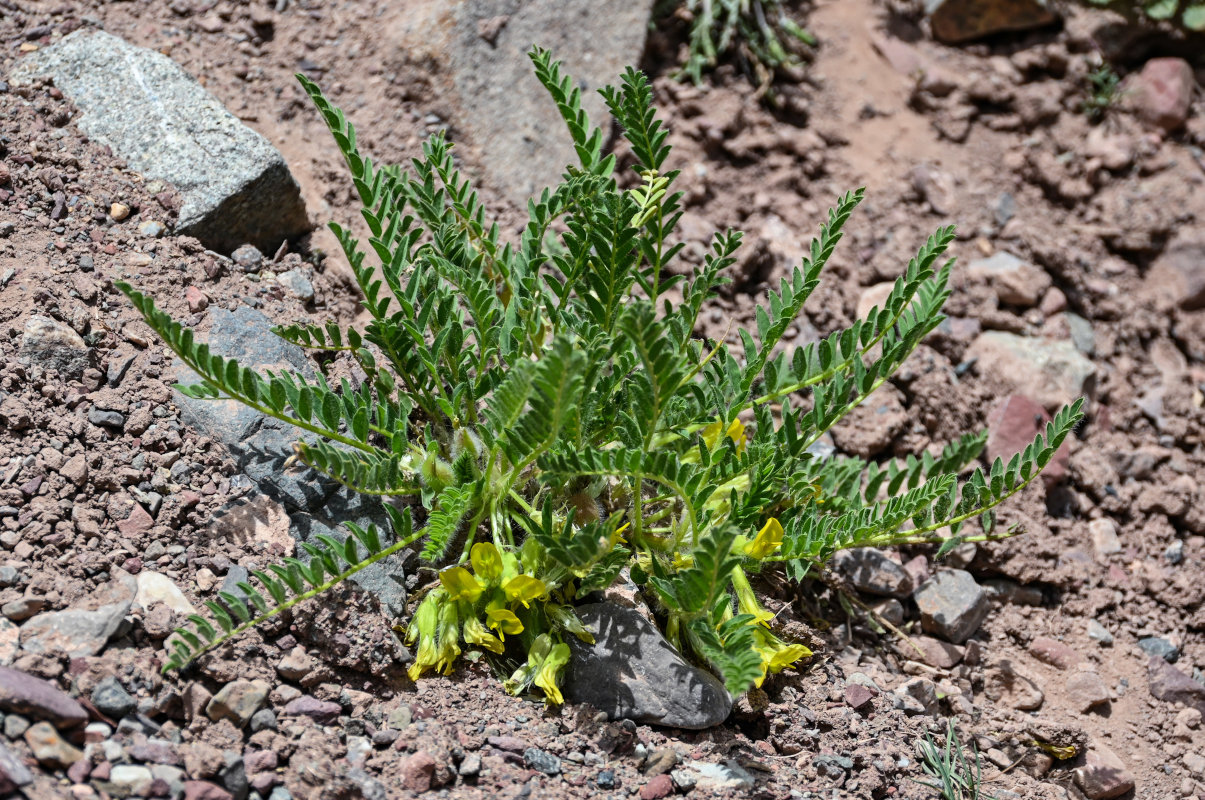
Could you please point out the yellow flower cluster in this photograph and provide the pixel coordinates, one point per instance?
(479, 607)
(491, 592)
(776, 654)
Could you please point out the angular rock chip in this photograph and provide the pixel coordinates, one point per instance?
(951, 605)
(85, 629)
(870, 571)
(54, 346)
(1104, 775)
(1051, 373)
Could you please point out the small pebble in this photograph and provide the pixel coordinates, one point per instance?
(152, 229)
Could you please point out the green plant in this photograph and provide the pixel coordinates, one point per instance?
(956, 776)
(1189, 14)
(1104, 91)
(759, 32)
(553, 418)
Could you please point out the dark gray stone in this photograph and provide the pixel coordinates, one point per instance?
(23, 693)
(118, 366)
(632, 672)
(54, 346)
(504, 109)
(540, 761)
(952, 605)
(870, 571)
(1158, 646)
(111, 698)
(106, 419)
(235, 185)
(259, 444)
(234, 576)
(234, 775)
(386, 578)
(264, 719)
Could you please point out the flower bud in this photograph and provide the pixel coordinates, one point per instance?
(436, 473)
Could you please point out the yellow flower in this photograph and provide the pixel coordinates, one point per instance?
(769, 538)
(549, 671)
(522, 677)
(423, 628)
(487, 562)
(435, 627)
(776, 654)
(448, 639)
(745, 599)
(475, 633)
(524, 589)
(504, 621)
(735, 432)
(460, 584)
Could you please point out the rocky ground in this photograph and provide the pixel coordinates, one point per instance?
(1071, 656)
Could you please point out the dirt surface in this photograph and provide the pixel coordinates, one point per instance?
(989, 137)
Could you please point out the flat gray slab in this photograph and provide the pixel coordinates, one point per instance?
(236, 186)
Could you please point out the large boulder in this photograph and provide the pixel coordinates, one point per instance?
(482, 45)
(236, 186)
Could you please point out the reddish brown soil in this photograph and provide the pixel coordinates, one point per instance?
(853, 120)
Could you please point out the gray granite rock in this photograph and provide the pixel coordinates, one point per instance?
(84, 629)
(54, 346)
(260, 445)
(235, 185)
(632, 672)
(951, 605)
(503, 108)
(1051, 373)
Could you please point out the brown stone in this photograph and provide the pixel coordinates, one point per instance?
(1103, 775)
(417, 772)
(956, 21)
(1086, 690)
(659, 787)
(1054, 653)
